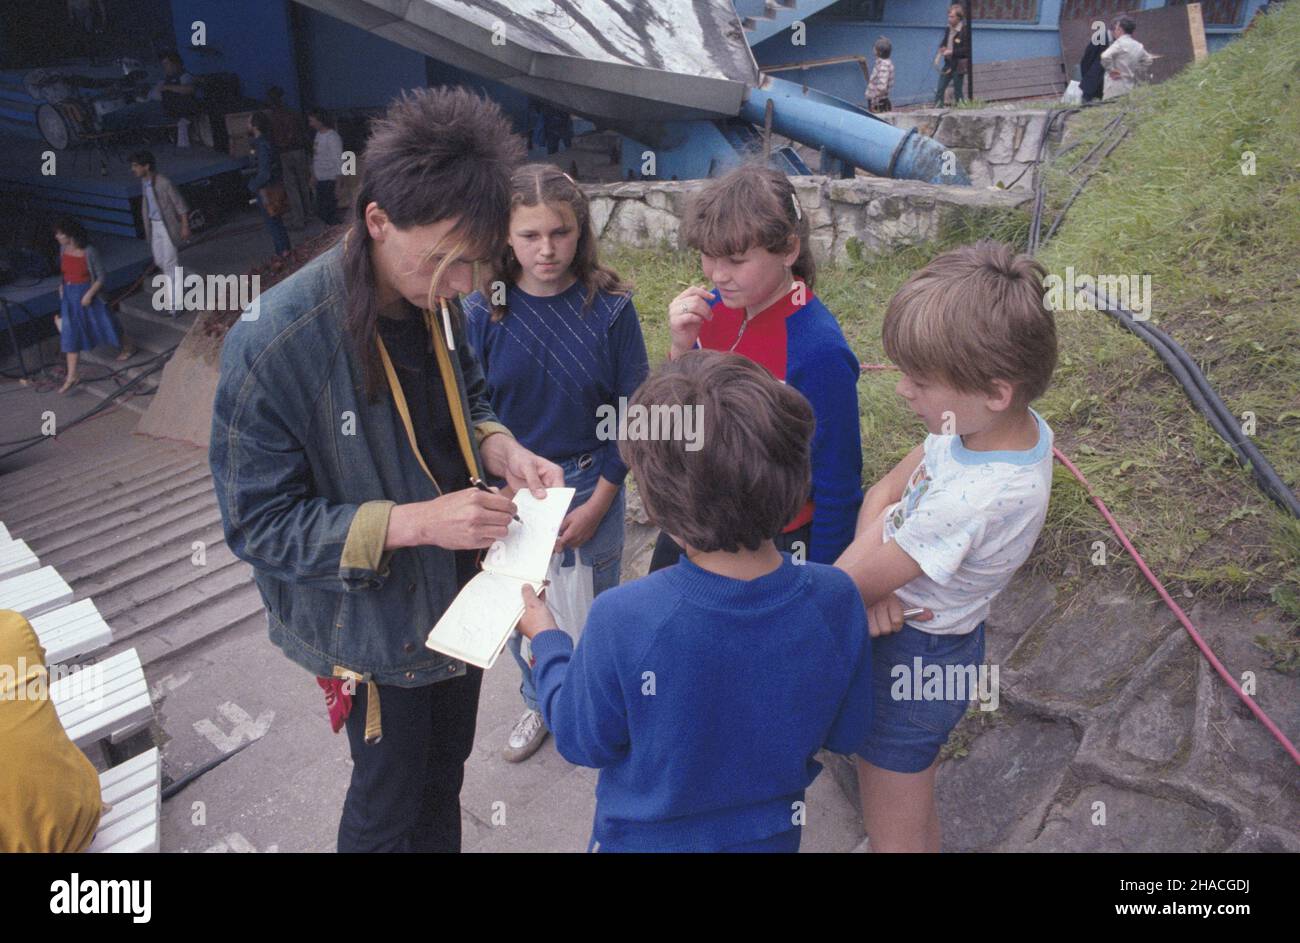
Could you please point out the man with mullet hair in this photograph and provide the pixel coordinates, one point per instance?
(350, 422)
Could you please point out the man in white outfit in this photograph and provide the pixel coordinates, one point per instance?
(166, 223)
(1125, 60)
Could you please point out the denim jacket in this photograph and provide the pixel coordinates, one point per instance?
(268, 165)
(306, 471)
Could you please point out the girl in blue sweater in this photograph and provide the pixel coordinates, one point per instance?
(560, 343)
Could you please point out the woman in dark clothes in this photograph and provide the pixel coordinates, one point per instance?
(955, 50)
(268, 182)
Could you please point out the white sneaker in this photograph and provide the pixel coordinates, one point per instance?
(528, 734)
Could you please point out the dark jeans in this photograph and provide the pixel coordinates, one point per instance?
(327, 202)
(958, 85)
(667, 552)
(274, 226)
(405, 790)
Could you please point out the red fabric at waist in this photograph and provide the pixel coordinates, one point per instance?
(803, 517)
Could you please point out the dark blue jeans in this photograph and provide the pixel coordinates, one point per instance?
(405, 789)
(326, 202)
(958, 82)
(274, 226)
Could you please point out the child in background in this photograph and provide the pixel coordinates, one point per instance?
(881, 83)
(752, 236)
(949, 526)
(84, 321)
(558, 338)
(703, 691)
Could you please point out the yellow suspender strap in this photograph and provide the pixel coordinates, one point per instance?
(374, 722)
(453, 392)
(399, 398)
(453, 401)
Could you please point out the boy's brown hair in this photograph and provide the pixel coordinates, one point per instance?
(548, 185)
(974, 315)
(752, 205)
(752, 471)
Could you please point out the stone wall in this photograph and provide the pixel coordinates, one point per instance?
(880, 214)
(995, 146)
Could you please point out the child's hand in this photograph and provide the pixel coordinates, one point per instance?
(579, 526)
(536, 617)
(86, 299)
(687, 312)
(886, 616)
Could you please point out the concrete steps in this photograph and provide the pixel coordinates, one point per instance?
(121, 529)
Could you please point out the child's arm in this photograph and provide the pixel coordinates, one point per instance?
(578, 691)
(830, 384)
(853, 723)
(580, 524)
(631, 366)
(889, 489)
(877, 568)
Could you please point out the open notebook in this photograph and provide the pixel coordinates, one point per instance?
(479, 620)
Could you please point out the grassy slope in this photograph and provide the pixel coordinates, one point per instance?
(1222, 250)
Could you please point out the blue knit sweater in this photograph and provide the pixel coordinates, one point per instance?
(702, 699)
(551, 363)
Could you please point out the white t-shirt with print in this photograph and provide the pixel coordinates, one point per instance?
(969, 519)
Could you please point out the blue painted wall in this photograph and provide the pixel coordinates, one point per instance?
(347, 67)
(252, 37)
(350, 68)
(914, 28)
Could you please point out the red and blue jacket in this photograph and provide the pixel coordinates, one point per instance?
(802, 345)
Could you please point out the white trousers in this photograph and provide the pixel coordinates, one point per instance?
(164, 256)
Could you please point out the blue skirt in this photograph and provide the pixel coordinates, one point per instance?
(87, 328)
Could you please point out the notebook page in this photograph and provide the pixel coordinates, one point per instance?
(525, 551)
(480, 619)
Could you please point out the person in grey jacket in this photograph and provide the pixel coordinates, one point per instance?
(350, 422)
(166, 218)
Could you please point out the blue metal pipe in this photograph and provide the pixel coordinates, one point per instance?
(860, 139)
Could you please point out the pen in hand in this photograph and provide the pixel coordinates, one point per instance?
(482, 486)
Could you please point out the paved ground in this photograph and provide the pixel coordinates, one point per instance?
(284, 791)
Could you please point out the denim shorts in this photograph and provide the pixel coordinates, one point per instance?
(908, 729)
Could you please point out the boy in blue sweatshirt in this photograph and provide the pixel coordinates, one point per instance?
(703, 691)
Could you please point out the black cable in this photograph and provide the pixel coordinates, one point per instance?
(1060, 217)
(1196, 386)
(1207, 402)
(94, 411)
(207, 767)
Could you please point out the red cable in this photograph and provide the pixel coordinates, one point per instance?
(1164, 594)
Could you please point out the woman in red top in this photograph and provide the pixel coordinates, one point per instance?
(84, 321)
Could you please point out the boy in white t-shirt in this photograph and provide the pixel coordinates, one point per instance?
(947, 528)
